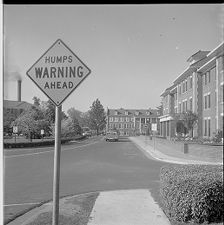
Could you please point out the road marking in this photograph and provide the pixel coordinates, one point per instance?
(37, 153)
(19, 204)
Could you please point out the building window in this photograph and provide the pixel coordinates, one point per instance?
(115, 113)
(191, 82)
(209, 76)
(183, 86)
(205, 102)
(209, 127)
(191, 104)
(127, 119)
(205, 127)
(205, 78)
(115, 119)
(126, 113)
(209, 101)
(179, 107)
(179, 89)
(186, 85)
(132, 119)
(111, 119)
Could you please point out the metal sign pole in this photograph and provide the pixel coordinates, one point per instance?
(57, 154)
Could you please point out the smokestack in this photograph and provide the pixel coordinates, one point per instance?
(19, 90)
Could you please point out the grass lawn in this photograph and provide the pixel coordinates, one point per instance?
(74, 210)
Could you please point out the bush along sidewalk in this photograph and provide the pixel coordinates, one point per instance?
(40, 143)
(192, 193)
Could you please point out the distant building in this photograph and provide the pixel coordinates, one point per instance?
(198, 89)
(130, 122)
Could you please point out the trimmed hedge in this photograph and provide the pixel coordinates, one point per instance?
(39, 143)
(192, 193)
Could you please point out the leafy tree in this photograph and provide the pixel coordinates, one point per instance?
(85, 119)
(31, 121)
(49, 111)
(69, 128)
(188, 120)
(97, 116)
(36, 101)
(74, 114)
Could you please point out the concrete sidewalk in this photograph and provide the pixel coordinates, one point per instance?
(123, 207)
(128, 207)
(158, 155)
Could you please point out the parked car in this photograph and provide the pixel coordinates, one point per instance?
(112, 136)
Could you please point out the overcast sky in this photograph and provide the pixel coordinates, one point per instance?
(133, 51)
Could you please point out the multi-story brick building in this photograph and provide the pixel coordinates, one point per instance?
(198, 89)
(131, 122)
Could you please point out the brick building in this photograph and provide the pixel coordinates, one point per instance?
(131, 122)
(198, 89)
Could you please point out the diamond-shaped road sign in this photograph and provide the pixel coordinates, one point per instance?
(58, 72)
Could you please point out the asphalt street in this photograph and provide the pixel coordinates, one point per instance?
(88, 166)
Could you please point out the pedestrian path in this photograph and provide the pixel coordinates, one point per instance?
(123, 207)
(128, 207)
(154, 153)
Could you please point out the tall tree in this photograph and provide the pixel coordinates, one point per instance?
(186, 121)
(97, 116)
(31, 121)
(74, 114)
(69, 128)
(36, 101)
(50, 111)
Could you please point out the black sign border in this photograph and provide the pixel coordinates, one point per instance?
(27, 73)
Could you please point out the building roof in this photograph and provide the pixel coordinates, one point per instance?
(132, 112)
(197, 56)
(168, 90)
(16, 104)
(219, 50)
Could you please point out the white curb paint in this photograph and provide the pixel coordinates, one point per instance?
(129, 207)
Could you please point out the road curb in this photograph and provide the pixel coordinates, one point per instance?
(154, 153)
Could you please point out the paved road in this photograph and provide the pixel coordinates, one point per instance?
(93, 165)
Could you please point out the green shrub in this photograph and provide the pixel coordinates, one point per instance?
(192, 193)
(39, 143)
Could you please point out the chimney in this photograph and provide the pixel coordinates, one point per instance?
(19, 90)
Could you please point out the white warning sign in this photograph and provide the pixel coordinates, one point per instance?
(58, 72)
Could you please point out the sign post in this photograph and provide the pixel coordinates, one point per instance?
(15, 131)
(57, 73)
(57, 156)
(42, 133)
